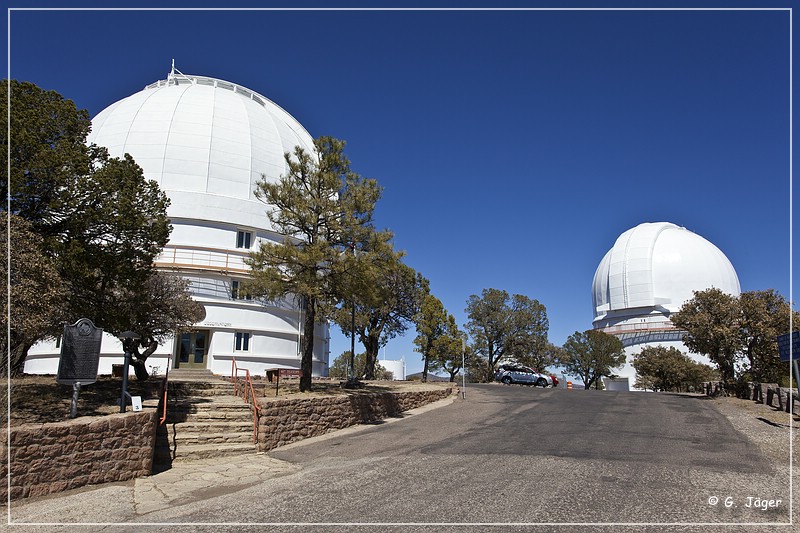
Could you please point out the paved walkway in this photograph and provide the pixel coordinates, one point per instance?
(205, 478)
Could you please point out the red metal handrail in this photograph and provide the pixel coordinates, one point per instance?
(246, 390)
(166, 388)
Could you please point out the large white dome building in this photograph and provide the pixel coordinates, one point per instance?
(649, 273)
(207, 142)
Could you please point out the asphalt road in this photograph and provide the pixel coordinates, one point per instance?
(509, 456)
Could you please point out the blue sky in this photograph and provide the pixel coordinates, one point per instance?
(513, 146)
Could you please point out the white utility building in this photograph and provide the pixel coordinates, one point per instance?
(396, 367)
(207, 143)
(649, 273)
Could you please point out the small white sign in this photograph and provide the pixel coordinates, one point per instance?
(136, 402)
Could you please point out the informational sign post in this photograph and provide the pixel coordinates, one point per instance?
(789, 348)
(80, 353)
(80, 356)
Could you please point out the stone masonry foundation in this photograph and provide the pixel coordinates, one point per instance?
(47, 458)
(285, 421)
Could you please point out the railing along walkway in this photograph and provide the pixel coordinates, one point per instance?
(164, 399)
(244, 387)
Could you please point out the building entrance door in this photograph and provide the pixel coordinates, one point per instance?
(193, 349)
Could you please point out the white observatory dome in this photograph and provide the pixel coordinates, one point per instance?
(206, 142)
(649, 273)
(658, 265)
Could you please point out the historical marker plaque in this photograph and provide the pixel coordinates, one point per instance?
(80, 353)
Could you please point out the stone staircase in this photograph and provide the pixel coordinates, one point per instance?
(204, 419)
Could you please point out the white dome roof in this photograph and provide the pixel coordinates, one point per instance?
(206, 142)
(658, 265)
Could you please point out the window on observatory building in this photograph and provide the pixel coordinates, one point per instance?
(242, 342)
(238, 293)
(244, 239)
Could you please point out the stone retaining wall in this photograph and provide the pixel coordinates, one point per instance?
(285, 421)
(47, 458)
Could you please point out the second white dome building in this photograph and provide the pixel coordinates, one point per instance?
(649, 273)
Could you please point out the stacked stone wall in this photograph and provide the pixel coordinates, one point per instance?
(285, 421)
(47, 458)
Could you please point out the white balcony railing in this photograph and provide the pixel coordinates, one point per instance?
(663, 325)
(202, 258)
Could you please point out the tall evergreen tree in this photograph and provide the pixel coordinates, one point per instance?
(438, 338)
(382, 296)
(319, 207)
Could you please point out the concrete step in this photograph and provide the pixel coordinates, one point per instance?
(187, 413)
(186, 439)
(215, 399)
(215, 426)
(204, 403)
(200, 388)
(182, 418)
(190, 372)
(204, 419)
(183, 452)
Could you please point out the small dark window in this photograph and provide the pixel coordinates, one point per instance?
(238, 293)
(242, 342)
(244, 239)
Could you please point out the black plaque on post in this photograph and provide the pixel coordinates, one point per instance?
(80, 353)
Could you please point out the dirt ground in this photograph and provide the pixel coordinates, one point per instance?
(41, 399)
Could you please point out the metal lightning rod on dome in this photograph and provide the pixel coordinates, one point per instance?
(175, 73)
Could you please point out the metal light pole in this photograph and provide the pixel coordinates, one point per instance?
(126, 337)
(352, 380)
(351, 375)
(463, 370)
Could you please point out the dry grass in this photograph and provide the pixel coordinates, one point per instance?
(41, 399)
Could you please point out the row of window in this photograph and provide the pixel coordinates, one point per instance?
(244, 239)
(241, 341)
